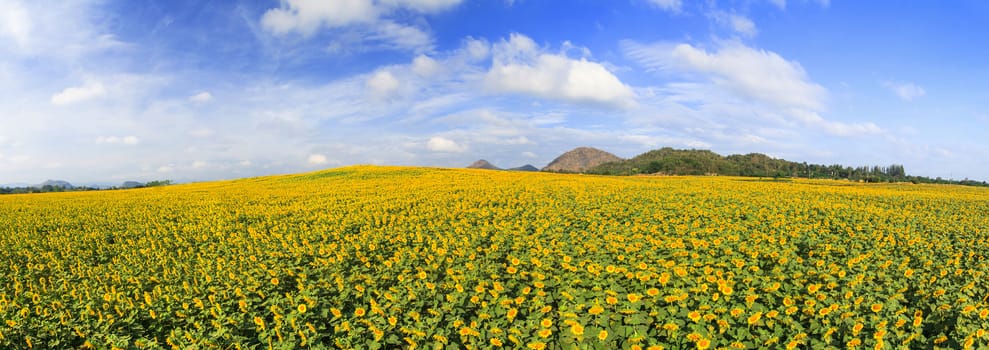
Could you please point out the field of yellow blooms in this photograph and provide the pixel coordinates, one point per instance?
(385, 257)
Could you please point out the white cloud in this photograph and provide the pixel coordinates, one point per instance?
(201, 132)
(758, 74)
(306, 17)
(201, 97)
(669, 5)
(738, 23)
(424, 66)
(317, 159)
(441, 144)
(424, 6)
(382, 84)
(60, 29)
(122, 140)
(906, 91)
(88, 91)
(520, 66)
(477, 49)
(739, 80)
(528, 154)
(199, 164)
(165, 169)
(15, 23)
(400, 37)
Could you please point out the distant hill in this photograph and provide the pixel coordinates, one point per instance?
(56, 184)
(132, 184)
(527, 167)
(669, 161)
(580, 159)
(483, 164)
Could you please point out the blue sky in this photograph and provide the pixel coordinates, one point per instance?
(108, 91)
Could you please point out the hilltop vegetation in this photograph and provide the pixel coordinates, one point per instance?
(391, 257)
(669, 161)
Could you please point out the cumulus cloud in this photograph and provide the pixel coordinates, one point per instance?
(906, 91)
(123, 140)
(306, 17)
(201, 97)
(755, 80)
(669, 5)
(520, 66)
(383, 84)
(758, 74)
(88, 91)
(317, 159)
(424, 66)
(442, 144)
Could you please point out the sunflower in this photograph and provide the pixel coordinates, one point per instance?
(602, 335)
(876, 307)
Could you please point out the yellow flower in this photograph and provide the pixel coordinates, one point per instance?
(736, 311)
(632, 298)
(772, 314)
(496, 342)
(466, 331)
(360, 312)
(857, 328)
(545, 333)
(336, 312)
(694, 316)
(274, 281)
(577, 329)
(984, 313)
(546, 323)
(812, 289)
(854, 342)
(302, 308)
(791, 310)
(703, 344)
(537, 346)
(512, 313)
(968, 308)
(652, 292)
(671, 327)
(596, 309)
(602, 335)
(754, 318)
(611, 300)
(876, 307)
(392, 320)
(259, 322)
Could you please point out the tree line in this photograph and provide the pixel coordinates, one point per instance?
(57, 188)
(669, 161)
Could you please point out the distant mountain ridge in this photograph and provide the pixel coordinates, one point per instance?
(580, 159)
(527, 167)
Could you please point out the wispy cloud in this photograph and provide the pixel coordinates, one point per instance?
(905, 91)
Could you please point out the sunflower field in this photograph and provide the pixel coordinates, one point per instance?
(397, 257)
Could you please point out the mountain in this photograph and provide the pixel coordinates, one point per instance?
(483, 164)
(580, 159)
(132, 184)
(527, 167)
(56, 183)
